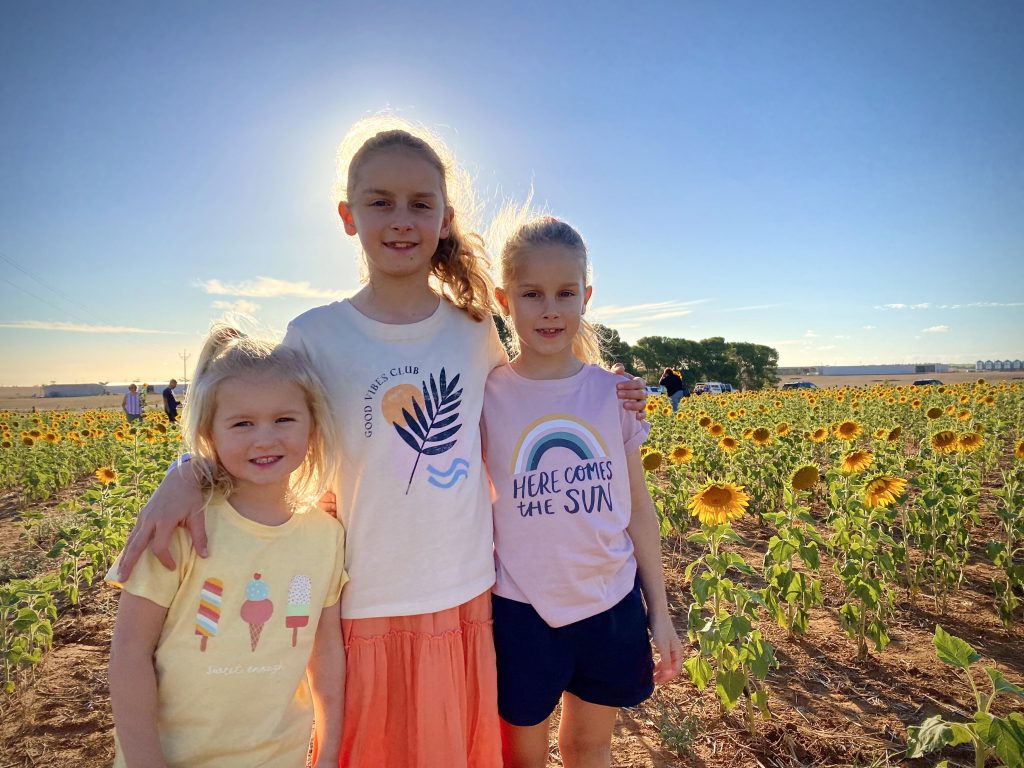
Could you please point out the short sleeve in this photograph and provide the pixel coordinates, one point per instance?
(634, 431)
(339, 576)
(496, 354)
(149, 578)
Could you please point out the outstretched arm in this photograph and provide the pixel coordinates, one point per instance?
(646, 535)
(133, 688)
(177, 501)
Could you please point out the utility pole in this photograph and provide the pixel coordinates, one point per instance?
(184, 355)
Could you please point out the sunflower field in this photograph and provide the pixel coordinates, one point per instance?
(55, 557)
(896, 487)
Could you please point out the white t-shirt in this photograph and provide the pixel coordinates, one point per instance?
(556, 451)
(412, 491)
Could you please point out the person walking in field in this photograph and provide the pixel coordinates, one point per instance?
(576, 535)
(674, 387)
(171, 403)
(131, 404)
(223, 662)
(405, 361)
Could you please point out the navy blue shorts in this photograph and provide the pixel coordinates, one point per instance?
(605, 659)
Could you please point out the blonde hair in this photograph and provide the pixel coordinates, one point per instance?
(524, 230)
(459, 267)
(227, 353)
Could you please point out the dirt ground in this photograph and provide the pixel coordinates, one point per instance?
(828, 708)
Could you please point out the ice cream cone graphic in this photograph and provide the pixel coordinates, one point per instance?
(257, 609)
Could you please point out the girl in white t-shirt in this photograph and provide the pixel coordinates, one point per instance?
(405, 361)
(576, 534)
(225, 660)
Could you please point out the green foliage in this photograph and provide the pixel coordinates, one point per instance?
(1002, 737)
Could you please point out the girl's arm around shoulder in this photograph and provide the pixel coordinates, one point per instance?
(133, 688)
(326, 675)
(645, 533)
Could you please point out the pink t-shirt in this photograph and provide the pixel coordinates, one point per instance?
(556, 453)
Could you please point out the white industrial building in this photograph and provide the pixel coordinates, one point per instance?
(875, 370)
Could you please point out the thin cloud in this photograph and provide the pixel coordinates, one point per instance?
(42, 325)
(269, 288)
(752, 308)
(240, 307)
(639, 315)
(810, 335)
(936, 329)
(970, 305)
(869, 327)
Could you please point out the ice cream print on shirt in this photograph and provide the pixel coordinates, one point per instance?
(208, 615)
(257, 608)
(570, 486)
(300, 596)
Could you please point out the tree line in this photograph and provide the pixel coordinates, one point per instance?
(742, 364)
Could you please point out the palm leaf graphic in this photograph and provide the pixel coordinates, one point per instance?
(429, 430)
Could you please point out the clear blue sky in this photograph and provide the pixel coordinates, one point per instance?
(841, 180)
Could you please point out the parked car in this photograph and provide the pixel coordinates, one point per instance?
(653, 390)
(799, 385)
(712, 388)
(927, 383)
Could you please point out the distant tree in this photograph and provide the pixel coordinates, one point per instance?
(719, 363)
(758, 364)
(505, 334)
(614, 349)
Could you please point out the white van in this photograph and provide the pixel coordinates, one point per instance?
(712, 388)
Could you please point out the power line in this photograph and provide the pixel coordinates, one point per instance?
(49, 303)
(50, 288)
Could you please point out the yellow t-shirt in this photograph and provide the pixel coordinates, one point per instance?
(231, 660)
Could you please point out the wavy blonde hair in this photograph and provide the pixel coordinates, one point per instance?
(227, 353)
(460, 269)
(519, 229)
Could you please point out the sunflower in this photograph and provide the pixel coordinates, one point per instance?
(743, 411)
(6, 444)
(716, 430)
(666, 411)
(963, 415)
(782, 429)
(51, 438)
(805, 478)
(728, 444)
(761, 436)
(944, 441)
(847, 430)
(980, 382)
(883, 491)
(933, 413)
(969, 442)
(1018, 450)
(28, 440)
(856, 461)
(651, 406)
(895, 434)
(880, 433)
(161, 428)
(718, 503)
(35, 433)
(819, 435)
(965, 399)
(915, 403)
(778, 403)
(681, 454)
(652, 461)
(731, 415)
(704, 422)
(106, 475)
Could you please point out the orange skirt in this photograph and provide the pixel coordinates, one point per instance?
(421, 691)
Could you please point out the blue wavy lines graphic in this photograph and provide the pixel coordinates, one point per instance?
(446, 478)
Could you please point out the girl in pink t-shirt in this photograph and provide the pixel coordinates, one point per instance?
(577, 545)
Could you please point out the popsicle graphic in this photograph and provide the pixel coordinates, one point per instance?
(209, 610)
(257, 609)
(300, 595)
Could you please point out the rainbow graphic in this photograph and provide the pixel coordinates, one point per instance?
(557, 430)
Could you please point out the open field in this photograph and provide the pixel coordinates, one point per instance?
(833, 702)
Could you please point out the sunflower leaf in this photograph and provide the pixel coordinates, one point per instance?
(952, 650)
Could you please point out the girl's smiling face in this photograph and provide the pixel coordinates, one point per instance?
(398, 209)
(546, 298)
